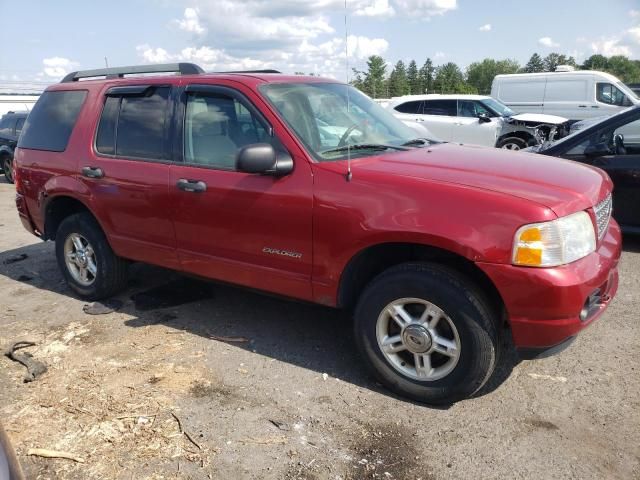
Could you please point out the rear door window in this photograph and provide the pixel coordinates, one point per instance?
(446, 108)
(414, 107)
(134, 126)
(50, 123)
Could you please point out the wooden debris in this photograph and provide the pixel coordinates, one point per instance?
(183, 431)
(277, 440)
(43, 452)
(229, 339)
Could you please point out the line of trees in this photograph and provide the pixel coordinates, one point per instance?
(450, 78)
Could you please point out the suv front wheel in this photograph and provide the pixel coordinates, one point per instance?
(86, 259)
(427, 333)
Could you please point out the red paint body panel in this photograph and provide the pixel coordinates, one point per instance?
(466, 200)
(543, 304)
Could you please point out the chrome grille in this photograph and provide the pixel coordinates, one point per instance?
(603, 215)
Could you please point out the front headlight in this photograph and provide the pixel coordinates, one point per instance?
(558, 242)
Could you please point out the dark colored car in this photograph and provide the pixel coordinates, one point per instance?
(612, 144)
(10, 127)
(306, 188)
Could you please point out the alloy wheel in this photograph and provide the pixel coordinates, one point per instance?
(418, 339)
(80, 259)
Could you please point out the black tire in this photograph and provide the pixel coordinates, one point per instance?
(467, 309)
(7, 168)
(111, 275)
(512, 143)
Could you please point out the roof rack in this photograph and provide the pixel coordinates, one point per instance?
(253, 71)
(120, 72)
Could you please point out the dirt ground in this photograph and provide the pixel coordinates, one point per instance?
(195, 380)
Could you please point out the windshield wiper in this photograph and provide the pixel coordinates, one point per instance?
(417, 141)
(362, 146)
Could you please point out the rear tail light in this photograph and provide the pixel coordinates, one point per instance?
(16, 177)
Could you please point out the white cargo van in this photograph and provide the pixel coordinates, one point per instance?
(574, 95)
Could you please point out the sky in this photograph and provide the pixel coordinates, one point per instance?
(44, 40)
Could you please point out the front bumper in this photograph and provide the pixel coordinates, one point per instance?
(544, 305)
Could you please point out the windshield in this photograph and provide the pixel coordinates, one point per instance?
(498, 107)
(627, 91)
(327, 121)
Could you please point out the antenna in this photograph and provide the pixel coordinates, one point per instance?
(349, 176)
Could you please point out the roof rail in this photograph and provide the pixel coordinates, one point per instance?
(120, 72)
(253, 71)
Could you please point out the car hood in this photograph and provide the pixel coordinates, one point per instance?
(539, 118)
(561, 185)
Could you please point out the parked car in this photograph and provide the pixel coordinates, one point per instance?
(434, 246)
(612, 144)
(477, 120)
(10, 127)
(574, 95)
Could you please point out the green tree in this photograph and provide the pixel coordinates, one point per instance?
(534, 65)
(398, 84)
(552, 60)
(374, 83)
(356, 80)
(415, 86)
(480, 74)
(450, 79)
(623, 68)
(595, 62)
(426, 76)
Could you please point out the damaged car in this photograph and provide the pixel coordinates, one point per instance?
(478, 120)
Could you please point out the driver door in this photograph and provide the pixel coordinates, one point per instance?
(470, 129)
(247, 229)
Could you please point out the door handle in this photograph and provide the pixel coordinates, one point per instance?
(194, 186)
(582, 106)
(595, 106)
(92, 172)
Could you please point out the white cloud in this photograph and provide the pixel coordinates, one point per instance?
(56, 67)
(548, 42)
(377, 8)
(485, 28)
(326, 58)
(425, 8)
(439, 55)
(634, 13)
(191, 22)
(634, 34)
(610, 46)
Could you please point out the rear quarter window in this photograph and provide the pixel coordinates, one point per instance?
(50, 123)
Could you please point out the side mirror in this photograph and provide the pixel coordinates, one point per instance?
(261, 158)
(482, 118)
(597, 150)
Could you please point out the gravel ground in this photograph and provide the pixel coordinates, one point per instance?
(196, 380)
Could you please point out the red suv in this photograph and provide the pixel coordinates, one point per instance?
(304, 187)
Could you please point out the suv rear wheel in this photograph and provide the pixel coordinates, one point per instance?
(86, 260)
(6, 165)
(427, 333)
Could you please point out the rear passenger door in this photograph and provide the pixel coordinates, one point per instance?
(127, 172)
(439, 117)
(247, 229)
